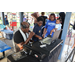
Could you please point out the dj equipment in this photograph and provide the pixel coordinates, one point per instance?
(34, 53)
(44, 51)
(37, 53)
(49, 40)
(44, 47)
(17, 56)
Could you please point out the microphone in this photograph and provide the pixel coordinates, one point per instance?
(29, 31)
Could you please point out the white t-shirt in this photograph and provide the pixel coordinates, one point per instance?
(58, 26)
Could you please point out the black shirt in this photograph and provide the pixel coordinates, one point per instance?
(44, 18)
(62, 16)
(18, 37)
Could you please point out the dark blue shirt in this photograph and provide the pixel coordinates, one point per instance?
(38, 31)
(6, 21)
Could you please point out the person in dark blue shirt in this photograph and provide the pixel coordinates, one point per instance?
(38, 29)
(6, 20)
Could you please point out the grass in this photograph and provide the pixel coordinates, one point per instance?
(0, 21)
(18, 24)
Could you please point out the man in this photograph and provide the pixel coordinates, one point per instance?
(23, 36)
(44, 17)
(6, 20)
(62, 17)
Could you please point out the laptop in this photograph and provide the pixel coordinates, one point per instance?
(49, 40)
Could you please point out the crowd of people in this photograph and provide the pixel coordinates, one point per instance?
(43, 27)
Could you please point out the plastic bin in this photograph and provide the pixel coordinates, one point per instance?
(9, 34)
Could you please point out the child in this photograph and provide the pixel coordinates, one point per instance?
(49, 25)
(38, 29)
(57, 26)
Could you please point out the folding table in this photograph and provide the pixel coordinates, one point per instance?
(3, 48)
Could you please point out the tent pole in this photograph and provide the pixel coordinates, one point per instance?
(65, 29)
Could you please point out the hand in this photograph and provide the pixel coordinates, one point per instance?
(40, 38)
(31, 34)
(20, 46)
(43, 35)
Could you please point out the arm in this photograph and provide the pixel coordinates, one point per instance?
(53, 30)
(39, 37)
(26, 42)
(56, 29)
(29, 38)
(20, 45)
(45, 31)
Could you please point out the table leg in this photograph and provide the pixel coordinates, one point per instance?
(3, 56)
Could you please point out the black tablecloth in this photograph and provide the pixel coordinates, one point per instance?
(46, 50)
(51, 57)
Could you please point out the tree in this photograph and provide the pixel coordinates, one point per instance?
(48, 13)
